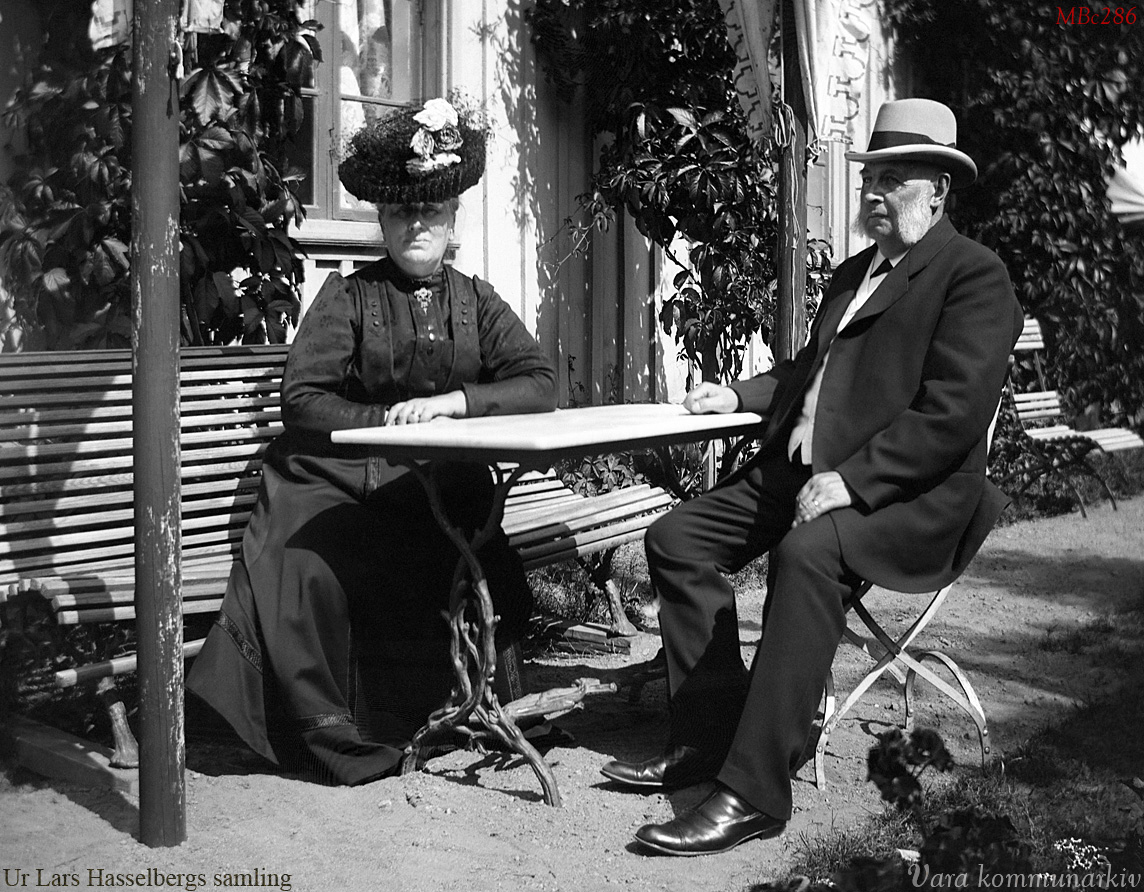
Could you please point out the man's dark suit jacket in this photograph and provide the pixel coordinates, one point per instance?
(906, 401)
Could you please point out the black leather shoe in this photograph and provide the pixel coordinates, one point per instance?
(718, 824)
(680, 766)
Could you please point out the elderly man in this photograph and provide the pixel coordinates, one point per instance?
(871, 466)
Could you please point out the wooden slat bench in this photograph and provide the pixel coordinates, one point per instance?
(66, 500)
(1054, 445)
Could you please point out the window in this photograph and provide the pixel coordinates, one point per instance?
(375, 58)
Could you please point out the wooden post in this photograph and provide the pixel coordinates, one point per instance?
(790, 321)
(155, 422)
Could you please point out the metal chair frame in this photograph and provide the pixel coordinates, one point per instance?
(892, 655)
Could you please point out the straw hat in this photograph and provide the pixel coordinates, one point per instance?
(918, 130)
(413, 155)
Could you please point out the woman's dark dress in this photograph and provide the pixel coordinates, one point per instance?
(331, 633)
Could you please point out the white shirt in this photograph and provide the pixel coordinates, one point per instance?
(802, 436)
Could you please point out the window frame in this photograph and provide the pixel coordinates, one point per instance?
(327, 221)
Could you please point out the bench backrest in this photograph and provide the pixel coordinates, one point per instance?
(66, 454)
(1035, 407)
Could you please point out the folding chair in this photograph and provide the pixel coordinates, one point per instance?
(891, 655)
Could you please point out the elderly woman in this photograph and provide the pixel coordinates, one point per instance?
(331, 645)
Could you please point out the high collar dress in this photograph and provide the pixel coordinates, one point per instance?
(331, 648)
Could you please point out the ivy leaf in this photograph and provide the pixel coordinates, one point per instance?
(21, 257)
(36, 188)
(11, 220)
(212, 92)
(56, 282)
(215, 138)
(117, 252)
(211, 167)
(297, 60)
(103, 269)
(253, 221)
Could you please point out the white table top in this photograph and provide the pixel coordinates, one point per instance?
(537, 440)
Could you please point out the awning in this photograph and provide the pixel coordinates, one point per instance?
(1126, 187)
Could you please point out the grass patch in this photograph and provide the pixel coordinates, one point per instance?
(1081, 639)
(820, 856)
(1073, 791)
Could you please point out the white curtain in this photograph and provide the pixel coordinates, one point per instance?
(833, 38)
(110, 23)
(749, 25)
(814, 23)
(202, 16)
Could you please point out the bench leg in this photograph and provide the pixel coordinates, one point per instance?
(599, 570)
(126, 753)
(1089, 471)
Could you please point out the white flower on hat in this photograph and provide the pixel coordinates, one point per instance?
(435, 139)
(423, 144)
(421, 166)
(436, 114)
(448, 138)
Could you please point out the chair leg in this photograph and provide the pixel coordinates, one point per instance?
(832, 716)
(828, 706)
(906, 667)
(967, 700)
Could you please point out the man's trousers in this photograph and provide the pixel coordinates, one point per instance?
(760, 719)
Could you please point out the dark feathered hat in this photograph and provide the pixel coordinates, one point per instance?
(428, 153)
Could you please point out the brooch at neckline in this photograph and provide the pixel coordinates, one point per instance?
(423, 296)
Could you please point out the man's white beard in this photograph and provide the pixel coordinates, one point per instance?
(913, 222)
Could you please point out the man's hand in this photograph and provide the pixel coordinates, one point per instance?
(821, 493)
(710, 398)
(422, 409)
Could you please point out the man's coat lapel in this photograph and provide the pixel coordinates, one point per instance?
(897, 280)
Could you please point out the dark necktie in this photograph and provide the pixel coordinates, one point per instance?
(884, 267)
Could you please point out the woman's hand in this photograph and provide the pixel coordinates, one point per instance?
(426, 408)
(709, 397)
